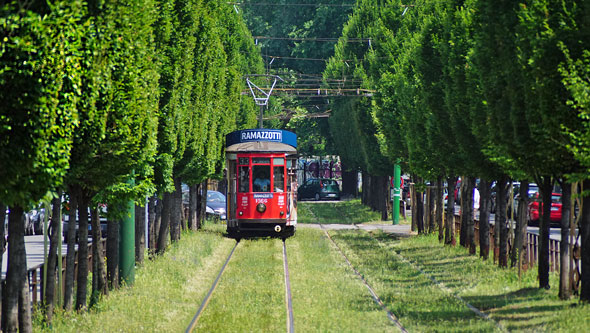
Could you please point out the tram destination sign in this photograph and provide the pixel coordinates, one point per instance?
(261, 134)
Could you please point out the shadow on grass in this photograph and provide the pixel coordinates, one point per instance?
(490, 302)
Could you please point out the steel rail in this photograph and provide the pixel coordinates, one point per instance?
(288, 298)
(442, 286)
(376, 298)
(205, 302)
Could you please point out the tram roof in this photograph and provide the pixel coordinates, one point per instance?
(261, 147)
(261, 140)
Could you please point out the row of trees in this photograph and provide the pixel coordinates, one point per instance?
(495, 91)
(298, 39)
(98, 92)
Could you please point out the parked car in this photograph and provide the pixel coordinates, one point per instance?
(319, 188)
(103, 223)
(216, 205)
(555, 215)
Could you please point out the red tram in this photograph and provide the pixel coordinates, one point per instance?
(262, 183)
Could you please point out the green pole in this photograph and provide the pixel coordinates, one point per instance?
(127, 243)
(396, 192)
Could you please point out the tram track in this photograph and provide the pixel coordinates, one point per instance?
(442, 286)
(205, 302)
(392, 317)
(288, 295)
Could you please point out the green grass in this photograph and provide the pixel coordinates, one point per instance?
(342, 212)
(422, 306)
(327, 296)
(250, 296)
(166, 293)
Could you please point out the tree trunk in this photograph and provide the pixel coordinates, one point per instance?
(165, 224)
(450, 218)
(383, 197)
(202, 204)
(440, 204)
(522, 216)
(71, 256)
(349, 182)
(484, 219)
(192, 207)
(17, 306)
(464, 211)
(413, 207)
(52, 256)
(500, 222)
(520, 230)
(113, 254)
(81, 289)
(427, 209)
(420, 210)
(564, 245)
(365, 188)
(585, 240)
(99, 278)
(546, 189)
(154, 224)
(431, 209)
(176, 210)
(139, 233)
(2, 250)
(470, 215)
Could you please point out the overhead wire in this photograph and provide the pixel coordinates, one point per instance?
(310, 4)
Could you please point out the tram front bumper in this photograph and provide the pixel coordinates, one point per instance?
(257, 224)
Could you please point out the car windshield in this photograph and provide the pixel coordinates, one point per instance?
(214, 196)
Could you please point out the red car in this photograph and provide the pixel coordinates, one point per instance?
(555, 215)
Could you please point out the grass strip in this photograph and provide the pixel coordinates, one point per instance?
(251, 295)
(342, 212)
(517, 304)
(327, 296)
(419, 304)
(166, 293)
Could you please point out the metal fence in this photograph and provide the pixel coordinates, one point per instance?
(531, 254)
(35, 274)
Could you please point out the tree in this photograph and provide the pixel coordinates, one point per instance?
(39, 60)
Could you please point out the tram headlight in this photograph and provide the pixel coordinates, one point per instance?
(261, 208)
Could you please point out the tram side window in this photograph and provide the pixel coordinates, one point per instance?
(279, 178)
(261, 175)
(244, 180)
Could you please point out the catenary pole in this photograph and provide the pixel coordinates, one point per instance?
(396, 192)
(127, 242)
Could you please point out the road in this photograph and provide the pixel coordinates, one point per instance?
(34, 246)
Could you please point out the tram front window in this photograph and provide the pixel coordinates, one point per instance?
(279, 178)
(261, 178)
(244, 180)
